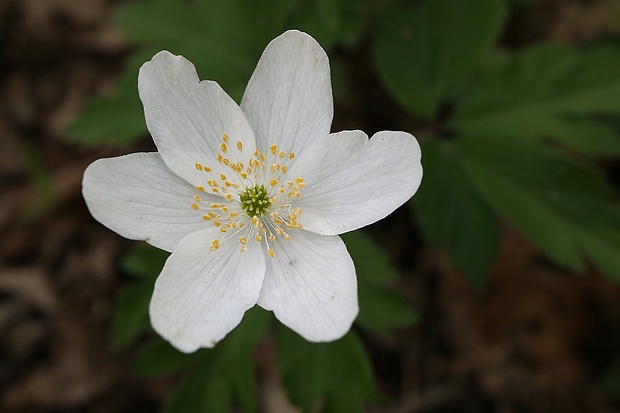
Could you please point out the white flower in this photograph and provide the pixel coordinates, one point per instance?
(249, 199)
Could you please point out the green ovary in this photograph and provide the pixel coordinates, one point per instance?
(255, 200)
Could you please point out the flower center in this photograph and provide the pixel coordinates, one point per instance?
(255, 200)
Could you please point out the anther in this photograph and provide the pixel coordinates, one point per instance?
(215, 244)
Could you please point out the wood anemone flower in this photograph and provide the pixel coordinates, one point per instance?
(250, 198)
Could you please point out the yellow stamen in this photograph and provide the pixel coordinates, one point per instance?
(260, 215)
(215, 244)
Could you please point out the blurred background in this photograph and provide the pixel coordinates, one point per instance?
(493, 290)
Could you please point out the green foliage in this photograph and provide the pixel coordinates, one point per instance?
(423, 49)
(546, 91)
(157, 358)
(144, 261)
(224, 40)
(222, 377)
(452, 214)
(325, 377)
(207, 32)
(130, 317)
(381, 307)
(40, 179)
(564, 210)
(505, 108)
(331, 22)
(609, 382)
(114, 118)
(215, 379)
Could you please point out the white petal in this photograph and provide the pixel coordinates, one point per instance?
(187, 117)
(201, 295)
(351, 182)
(311, 286)
(288, 100)
(137, 196)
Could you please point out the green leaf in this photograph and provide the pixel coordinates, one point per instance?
(116, 118)
(157, 358)
(609, 382)
(144, 261)
(596, 227)
(381, 306)
(423, 49)
(325, 377)
(330, 22)
(130, 316)
(223, 376)
(224, 40)
(452, 214)
(560, 205)
(546, 91)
